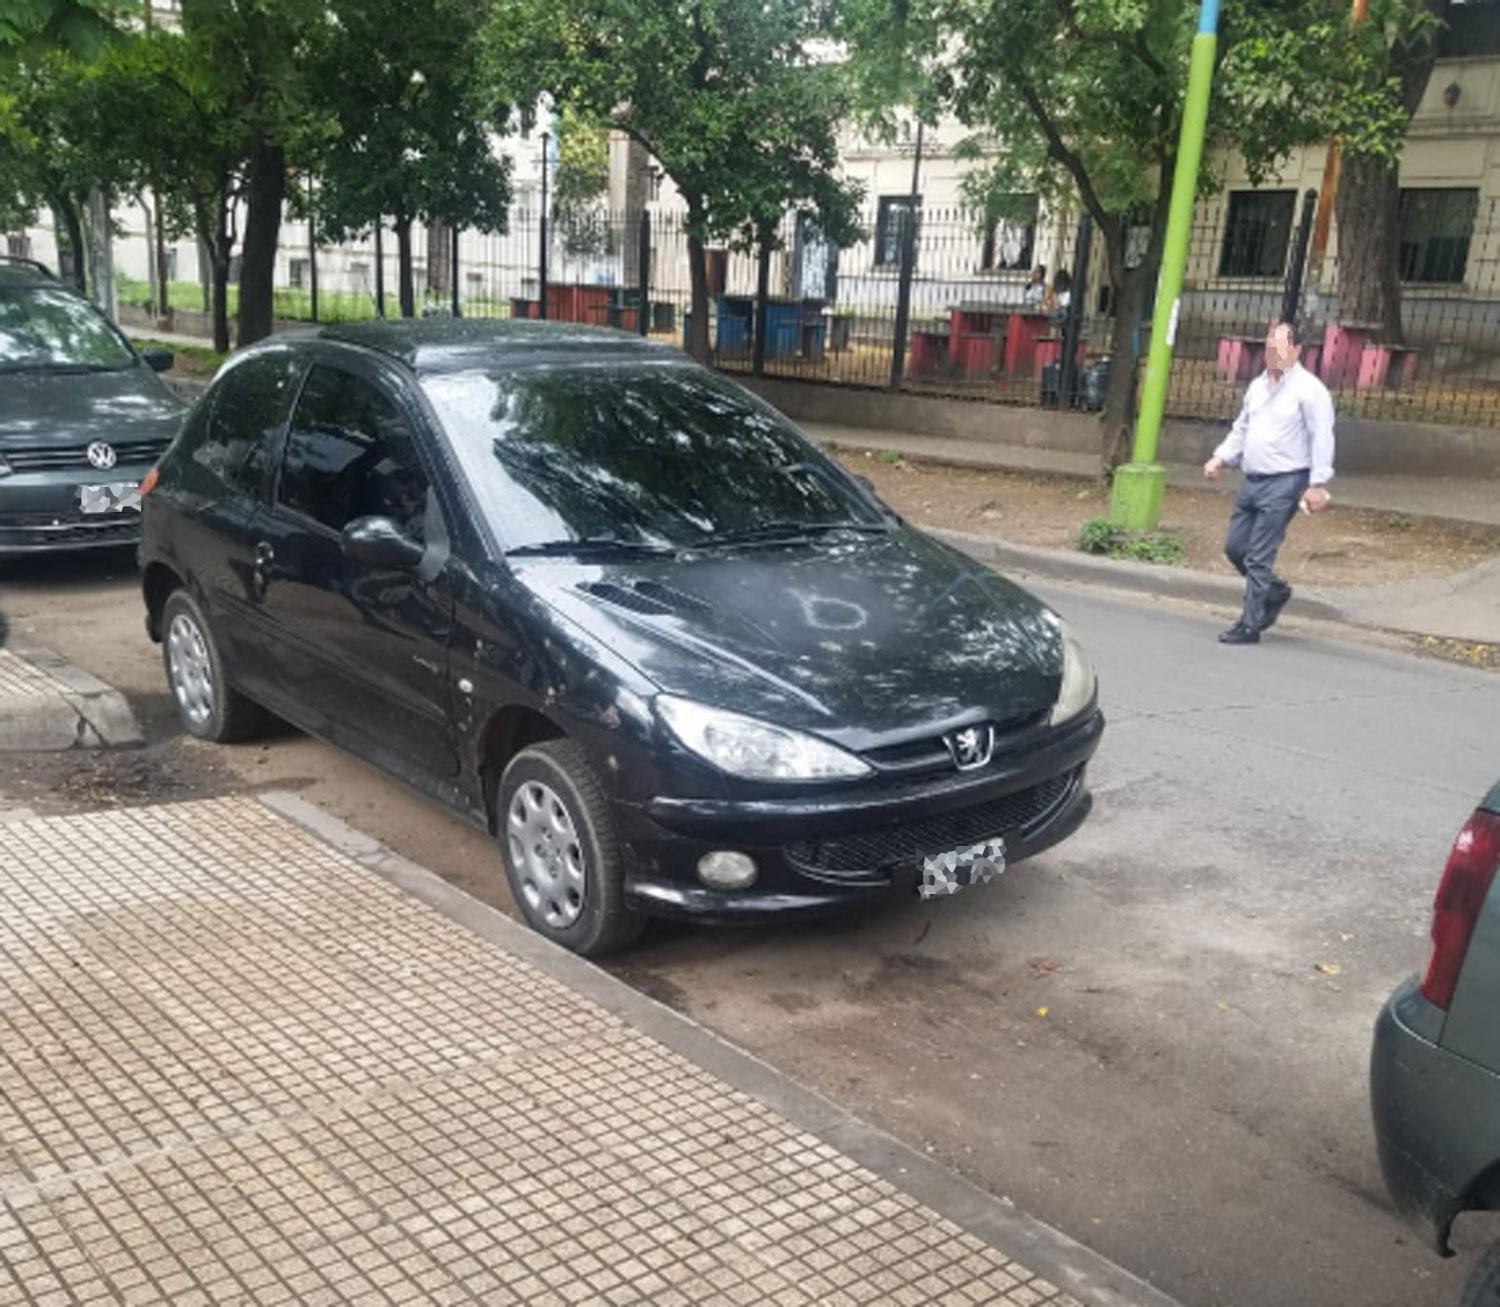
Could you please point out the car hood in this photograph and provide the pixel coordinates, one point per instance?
(866, 641)
(38, 408)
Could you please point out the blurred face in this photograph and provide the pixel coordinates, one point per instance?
(1281, 350)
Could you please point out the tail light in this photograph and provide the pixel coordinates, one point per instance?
(1460, 899)
(148, 482)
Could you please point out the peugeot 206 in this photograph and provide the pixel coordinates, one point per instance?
(612, 606)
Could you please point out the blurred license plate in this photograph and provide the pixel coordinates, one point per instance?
(110, 497)
(974, 864)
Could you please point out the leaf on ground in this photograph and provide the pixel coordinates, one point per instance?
(1329, 968)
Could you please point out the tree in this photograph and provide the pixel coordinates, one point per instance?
(254, 54)
(582, 180)
(399, 79)
(157, 107)
(78, 27)
(1398, 48)
(711, 88)
(1079, 101)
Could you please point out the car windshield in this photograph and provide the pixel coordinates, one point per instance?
(47, 328)
(663, 455)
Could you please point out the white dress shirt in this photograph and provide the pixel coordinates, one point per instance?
(1283, 430)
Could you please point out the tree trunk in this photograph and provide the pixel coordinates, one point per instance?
(164, 297)
(213, 241)
(1130, 293)
(1369, 209)
(403, 268)
(262, 234)
(439, 259)
(101, 243)
(155, 293)
(65, 215)
(697, 339)
(636, 194)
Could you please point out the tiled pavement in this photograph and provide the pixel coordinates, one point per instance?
(238, 1067)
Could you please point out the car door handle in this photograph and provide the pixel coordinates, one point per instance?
(264, 555)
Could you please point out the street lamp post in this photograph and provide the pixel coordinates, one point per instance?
(1136, 493)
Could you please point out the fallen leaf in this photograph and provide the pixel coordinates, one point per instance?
(1223, 1007)
(1329, 968)
(1041, 1011)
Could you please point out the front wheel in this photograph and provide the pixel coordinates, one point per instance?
(1483, 1288)
(562, 854)
(207, 706)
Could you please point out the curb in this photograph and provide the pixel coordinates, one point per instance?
(1121, 574)
(83, 713)
(1043, 1250)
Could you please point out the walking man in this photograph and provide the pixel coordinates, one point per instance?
(1283, 438)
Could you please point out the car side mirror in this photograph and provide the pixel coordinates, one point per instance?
(158, 360)
(379, 542)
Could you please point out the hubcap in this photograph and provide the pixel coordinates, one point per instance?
(190, 670)
(547, 854)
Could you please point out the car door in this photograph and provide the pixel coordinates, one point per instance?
(362, 650)
(226, 456)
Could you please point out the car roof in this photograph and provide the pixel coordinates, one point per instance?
(463, 344)
(23, 272)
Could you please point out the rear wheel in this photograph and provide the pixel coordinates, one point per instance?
(562, 854)
(207, 706)
(1483, 1288)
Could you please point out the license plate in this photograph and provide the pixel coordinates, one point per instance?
(110, 497)
(974, 864)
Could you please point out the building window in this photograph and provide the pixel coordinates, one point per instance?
(18, 247)
(297, 273)
(171, 265)
(1010, 242)
(1257, 233)
(891, 225)
(1436, 228)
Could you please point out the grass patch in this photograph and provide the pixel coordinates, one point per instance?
(1101, 536)
(187, 360)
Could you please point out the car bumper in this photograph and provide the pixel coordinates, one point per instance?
(1426, 1102)
(39, 513)
(823, 852)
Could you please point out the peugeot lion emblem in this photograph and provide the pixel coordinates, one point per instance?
(100, 455)
(971, 747)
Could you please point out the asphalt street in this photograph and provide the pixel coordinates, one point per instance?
(1154, 1037)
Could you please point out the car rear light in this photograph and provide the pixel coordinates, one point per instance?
(1460, 899)
(148, 483)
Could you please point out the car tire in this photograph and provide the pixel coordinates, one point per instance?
(1483, 1286)
(207, 705)
(561, 850)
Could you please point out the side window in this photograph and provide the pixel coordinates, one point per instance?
(247, 407)
(350, 453)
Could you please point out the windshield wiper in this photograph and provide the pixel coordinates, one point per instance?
(587, 545)
(784, 531)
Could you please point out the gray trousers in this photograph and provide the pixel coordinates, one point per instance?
(1262, 512)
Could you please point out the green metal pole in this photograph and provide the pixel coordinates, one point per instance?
(1136, 493)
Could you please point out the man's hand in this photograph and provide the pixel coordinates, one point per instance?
(1213, 467)
(1316, 498)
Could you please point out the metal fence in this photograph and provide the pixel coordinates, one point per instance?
(943, 304)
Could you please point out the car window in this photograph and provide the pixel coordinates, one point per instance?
(350, 453)
(248, 405)
(50, 329)
(658, 453)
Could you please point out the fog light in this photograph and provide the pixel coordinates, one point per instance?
(726, 870)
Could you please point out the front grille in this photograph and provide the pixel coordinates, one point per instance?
(890, 846)
(54, 528)
(67, 458)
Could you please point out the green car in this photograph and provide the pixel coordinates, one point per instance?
(83, 418)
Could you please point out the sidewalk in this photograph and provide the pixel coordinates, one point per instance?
(1464, 607)
(1465, 499)
(49, 705)
(242, 1058)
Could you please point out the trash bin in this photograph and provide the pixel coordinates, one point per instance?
(663, 317)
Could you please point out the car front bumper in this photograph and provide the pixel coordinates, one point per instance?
(825, 851)
(40, 513)
(1430, 1108)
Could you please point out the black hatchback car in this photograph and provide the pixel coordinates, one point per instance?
(614, 607)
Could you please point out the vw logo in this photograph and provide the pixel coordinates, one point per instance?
(100, 455)
(971, 747)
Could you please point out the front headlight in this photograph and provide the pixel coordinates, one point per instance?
(753, 749)
(1078, 681)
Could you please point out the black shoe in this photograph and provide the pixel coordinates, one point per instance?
(1239, 633)
(1275, 604)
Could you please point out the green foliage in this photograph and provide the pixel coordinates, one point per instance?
(406, 132)
(582, 182)
(77, 27)
(889, 456)
(1101, 536)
